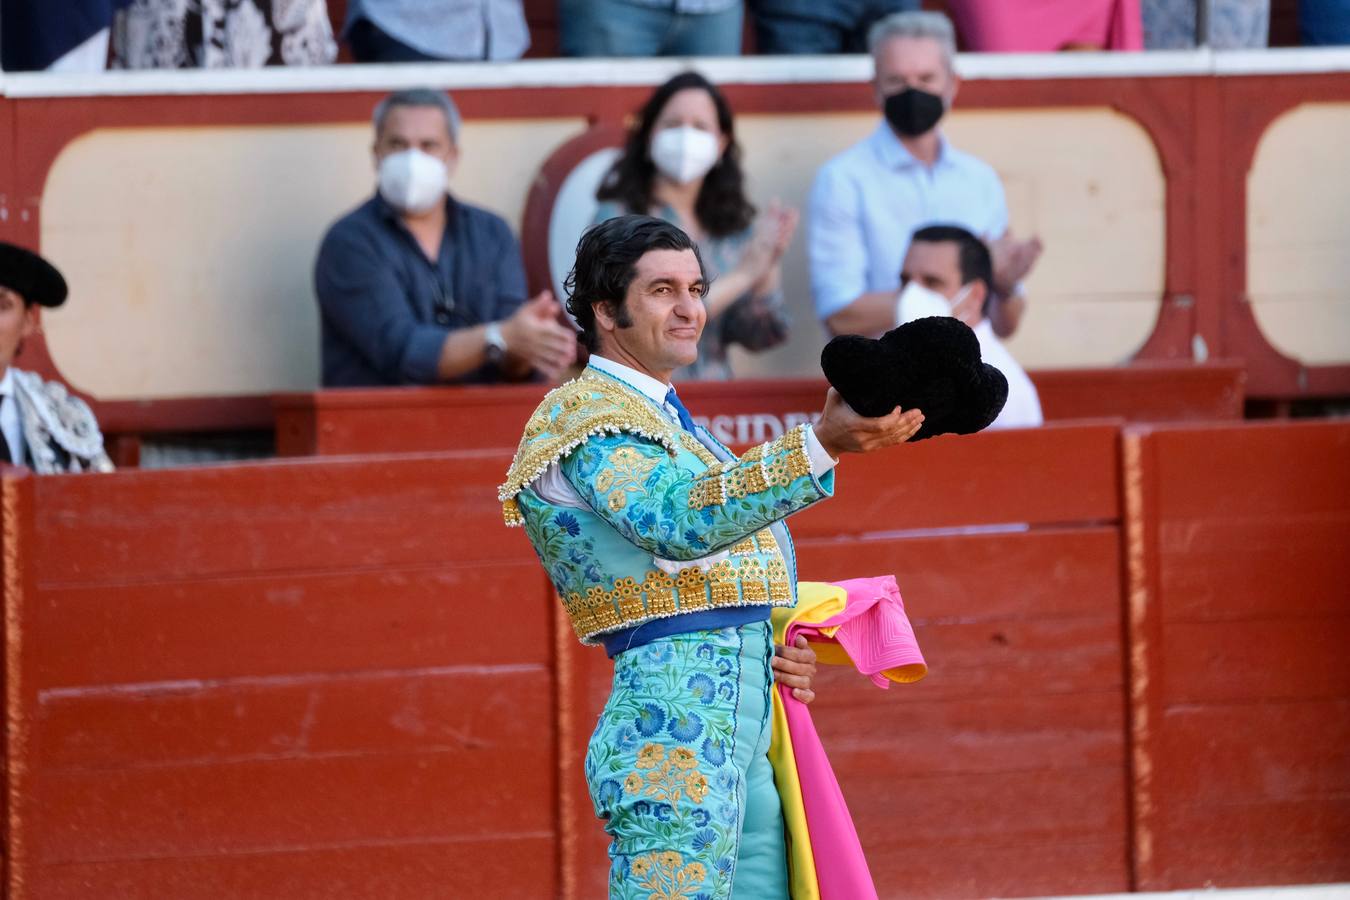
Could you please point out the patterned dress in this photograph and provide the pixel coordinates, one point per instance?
(221, 34)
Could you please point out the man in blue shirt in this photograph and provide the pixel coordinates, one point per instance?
(869, 200)
(416, 287)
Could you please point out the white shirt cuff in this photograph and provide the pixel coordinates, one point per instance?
(821, 462)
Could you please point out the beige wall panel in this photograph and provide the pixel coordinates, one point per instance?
(189, 250)
(1298, 229)
(1087, 181)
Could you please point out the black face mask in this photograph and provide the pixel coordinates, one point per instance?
(913, 112)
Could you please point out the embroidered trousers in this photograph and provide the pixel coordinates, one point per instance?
(679, 772)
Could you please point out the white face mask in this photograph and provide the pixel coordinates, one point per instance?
(918, 302)
(412, 181)
(684, 154)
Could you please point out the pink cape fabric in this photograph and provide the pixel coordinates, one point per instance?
(875, 632)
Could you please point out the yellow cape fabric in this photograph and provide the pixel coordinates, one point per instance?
(816, 602)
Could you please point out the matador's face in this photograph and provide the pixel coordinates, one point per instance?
(657, 330)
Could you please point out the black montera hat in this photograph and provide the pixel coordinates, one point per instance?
(30, 276)
(930, 364)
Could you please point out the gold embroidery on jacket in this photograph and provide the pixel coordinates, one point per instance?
(628, 603)
(589, 405)
(745, 547)
(775, 464)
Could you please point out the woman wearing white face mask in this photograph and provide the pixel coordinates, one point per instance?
(682, 164)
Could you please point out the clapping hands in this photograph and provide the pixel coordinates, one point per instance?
(1013, 260)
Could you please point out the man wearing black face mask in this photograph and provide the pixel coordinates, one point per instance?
(869, 200)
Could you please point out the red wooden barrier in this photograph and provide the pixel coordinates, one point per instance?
(344, 677)
(970, 783)
(1240, 681)
(740, 413)
(1144, 391)
(302, 680)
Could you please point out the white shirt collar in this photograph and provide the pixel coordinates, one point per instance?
(7, 383)
(649, 386)
(894, 155)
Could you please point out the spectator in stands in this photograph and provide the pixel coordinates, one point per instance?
(650, 27)
(948, 264)
(1047, 26)
(226, 34)
(41, 425)
(868, 200)
(1230, 24)
(416, 287)
(819, 26)
(391, 31)
(69, 36)
(682, 164)
(1323, 22)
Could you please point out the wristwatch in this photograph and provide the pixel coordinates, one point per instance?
(494, 343)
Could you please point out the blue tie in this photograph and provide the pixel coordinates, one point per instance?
(686, 421)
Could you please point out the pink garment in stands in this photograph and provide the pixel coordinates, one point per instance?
(1045, 26)
(879, 640)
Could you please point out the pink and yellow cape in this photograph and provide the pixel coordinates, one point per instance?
(861, 623)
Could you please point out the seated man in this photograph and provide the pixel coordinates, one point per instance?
(41, 425)
(868, 200)
(955, 265)
(416, 287)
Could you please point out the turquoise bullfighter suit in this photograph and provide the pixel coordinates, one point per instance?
(670, 551)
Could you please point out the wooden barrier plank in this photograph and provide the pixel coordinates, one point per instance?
(1014, 658)
(391, 618)
(1242, 844)
(1230, 569)
(505, 866)
(954, 820)
(349, 421)
(271, 517)
(1070, 865)
(1253, 471)
(1046, 573)
(1253, 661)
(1219, 755)
(908, 732)
(1048, 475)
(291, 804)
(19, 559)
(277, 658)
(740, 412)
(969, 809)
(463, 709)
(1240, 687)
(1144, 392)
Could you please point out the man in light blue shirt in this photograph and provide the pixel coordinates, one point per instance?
(869, 200)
